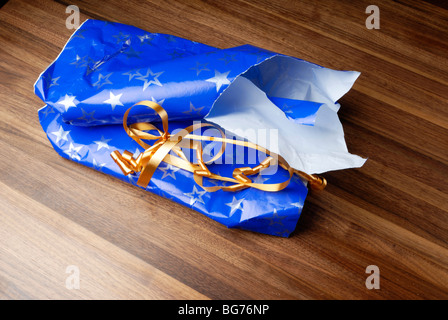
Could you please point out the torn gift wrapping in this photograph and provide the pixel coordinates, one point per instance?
(282, 104)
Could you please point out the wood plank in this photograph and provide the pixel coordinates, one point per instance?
(51, 243)
(130, 244)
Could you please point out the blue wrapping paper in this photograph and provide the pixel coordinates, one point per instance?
(105, 68)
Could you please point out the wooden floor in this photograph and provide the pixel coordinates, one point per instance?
(392, 213)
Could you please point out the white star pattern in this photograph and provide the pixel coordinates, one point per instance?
(176, 54)
(87, 115)
(79, 33)
(79, 61)
(200, 67)
(68, 102)
(114, 100)
(73, 152)
(146, 38)
(154, 79)
(260, 179)
(194, 110)
(121, 37)
(219, 183)
(102, 143)
(275, 219)
(102, 80)
(160, 102)
(235, 205)
(93, 65)
(131, 53)
(169, 171)
(219, 79)
(60, 134)
(228, 58)
(54, 81)
(132, 74)
(98, 166)
(50, 82)
(195, 195)
(48, 110)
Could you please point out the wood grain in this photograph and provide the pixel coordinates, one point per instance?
(392, 213)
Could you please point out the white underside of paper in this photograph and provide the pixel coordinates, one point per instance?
(244, 109)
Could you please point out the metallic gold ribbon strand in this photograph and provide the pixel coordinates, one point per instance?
(149, 160)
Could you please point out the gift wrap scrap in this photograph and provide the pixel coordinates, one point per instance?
(179, 118)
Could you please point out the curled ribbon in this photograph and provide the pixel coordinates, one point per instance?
(149, 160)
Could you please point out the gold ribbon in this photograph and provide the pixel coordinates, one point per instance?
(149, 160)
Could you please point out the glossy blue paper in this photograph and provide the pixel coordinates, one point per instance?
(106, 67)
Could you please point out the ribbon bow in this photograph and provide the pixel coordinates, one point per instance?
(148, 161)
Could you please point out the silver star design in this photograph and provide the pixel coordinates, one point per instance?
(93, 65)
(133, 73)
(219, 183)
(275, 219)
(154, 79)
(260, 179)
(73, 152)
(98, 166)
(200, 67)
(121, 37)
(195, 195)
(67, 102)
(79, 33)
(87, 115)
(170, 171)
(145, 39)
(48, 110)
(102, 143)
(102, 80)
(61, 134)
(235, 205)
(131, 53)
(114, 100)
(79, 61)
(193, 110)
(219, 79)
(228, 58)
(50, 82)
(260, 54)
(160, 102)
(176, 54)
(89, 70)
